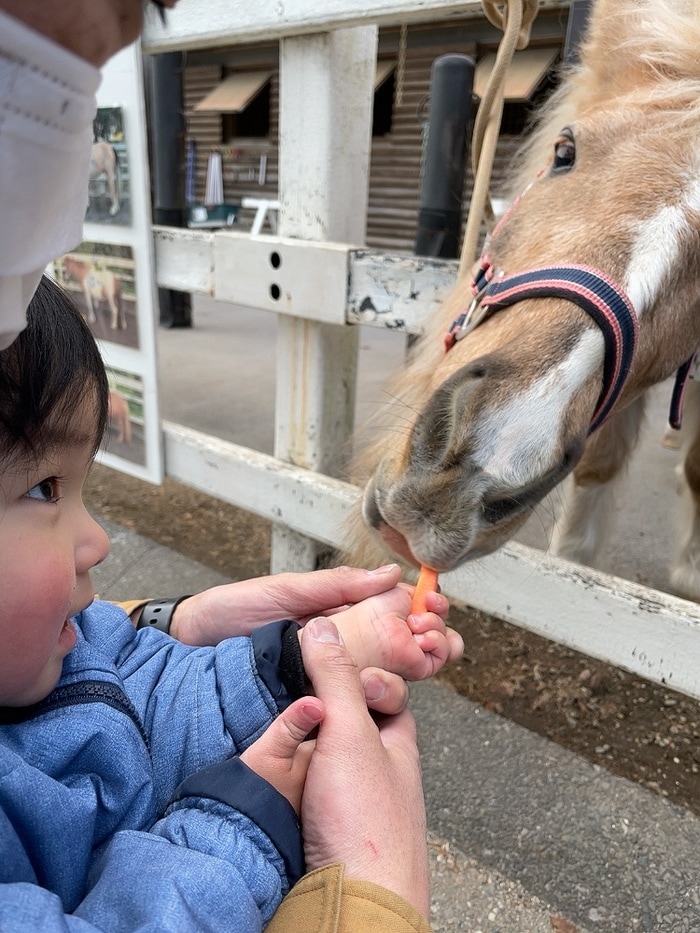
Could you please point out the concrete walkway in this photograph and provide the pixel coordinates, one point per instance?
(525, 837)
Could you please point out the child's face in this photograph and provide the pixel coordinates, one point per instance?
(48, 545)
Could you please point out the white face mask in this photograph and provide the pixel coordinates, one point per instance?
(7, 337)
(15, 294)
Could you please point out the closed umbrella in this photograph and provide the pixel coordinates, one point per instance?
(214, 194)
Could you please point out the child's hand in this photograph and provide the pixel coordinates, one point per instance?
(281, 756)
(381, 632)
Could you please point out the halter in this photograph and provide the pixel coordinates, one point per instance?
(588, 288)
(682, 376)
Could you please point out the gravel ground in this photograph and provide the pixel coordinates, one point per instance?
(468, 897)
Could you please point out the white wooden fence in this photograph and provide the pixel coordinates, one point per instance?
(315, 275)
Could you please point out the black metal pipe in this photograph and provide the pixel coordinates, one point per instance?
(166, 122)
(575, 29)
(444, 156)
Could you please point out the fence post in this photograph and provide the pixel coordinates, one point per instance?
(167, 150)
(326, 96)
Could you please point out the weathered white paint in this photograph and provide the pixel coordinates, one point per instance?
(185, 259)
(239, 21)
(326, 99)
(307, 502)
(379, 289)
(634, 627)
(283, 275)
(398, 292)
(641, 630)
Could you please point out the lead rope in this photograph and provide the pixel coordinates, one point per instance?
(401, 66)
(515, 19)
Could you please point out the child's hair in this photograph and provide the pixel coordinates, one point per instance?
(50, 370)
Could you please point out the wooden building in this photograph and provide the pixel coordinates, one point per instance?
(232, 107)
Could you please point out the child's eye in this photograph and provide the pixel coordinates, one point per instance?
(45, 491)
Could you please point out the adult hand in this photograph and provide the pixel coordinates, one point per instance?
(92, 29)
(239, 608)
(363, 798)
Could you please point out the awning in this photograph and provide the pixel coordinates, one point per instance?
(235, 92)
(525, 72)
(384, 69)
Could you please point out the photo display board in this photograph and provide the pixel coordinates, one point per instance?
(111, 274)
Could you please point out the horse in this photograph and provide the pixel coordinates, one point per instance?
(97, 285)
(119, 416)
(103, 161)
(587, 294)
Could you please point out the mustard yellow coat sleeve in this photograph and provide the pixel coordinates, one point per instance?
(131, 605)
(326, 902)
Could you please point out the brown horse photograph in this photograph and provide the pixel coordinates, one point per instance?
(125, 436)
(101, 279)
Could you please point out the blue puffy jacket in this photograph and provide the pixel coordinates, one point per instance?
(122, 807)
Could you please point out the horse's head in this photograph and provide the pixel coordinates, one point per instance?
(72, 268)
(482, 432)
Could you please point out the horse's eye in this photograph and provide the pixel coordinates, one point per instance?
(564, 152)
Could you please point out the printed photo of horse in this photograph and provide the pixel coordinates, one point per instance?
(108, 191)
(125, 429)
(101, 280)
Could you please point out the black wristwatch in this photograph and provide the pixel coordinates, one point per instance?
(158, 613)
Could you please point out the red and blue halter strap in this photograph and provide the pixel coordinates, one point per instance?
(588, 288)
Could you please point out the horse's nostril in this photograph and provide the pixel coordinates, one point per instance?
(370, 510)
(500, 509)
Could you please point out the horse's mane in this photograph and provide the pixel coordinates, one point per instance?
(637, 54)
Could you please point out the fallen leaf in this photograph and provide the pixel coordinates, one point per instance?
(561, 924)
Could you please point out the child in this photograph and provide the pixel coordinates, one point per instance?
(125, 799)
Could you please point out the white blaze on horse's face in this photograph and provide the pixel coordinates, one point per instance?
(518, 442)
(658, 248)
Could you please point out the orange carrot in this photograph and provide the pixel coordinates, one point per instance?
(427, 582)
